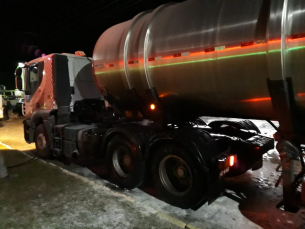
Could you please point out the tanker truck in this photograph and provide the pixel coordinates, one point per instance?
(157, 74)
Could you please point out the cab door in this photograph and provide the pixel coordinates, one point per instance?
(34, 94)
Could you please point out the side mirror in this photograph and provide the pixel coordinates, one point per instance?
(18, 79)
(18, 83)
(18, 72)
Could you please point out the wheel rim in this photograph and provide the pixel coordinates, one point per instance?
(175, 175)
(122, 161)
(41, 142)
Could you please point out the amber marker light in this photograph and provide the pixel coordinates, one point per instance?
(231, 161)
(256, 99)
(152, 106)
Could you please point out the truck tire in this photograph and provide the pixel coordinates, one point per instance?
(199, 121)
(249, 125)
(177, 177)
(42, 142)
(243, 124)
(124, 163)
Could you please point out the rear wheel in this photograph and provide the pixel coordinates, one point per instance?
(177, 177)
(125, 163)
(42, 142)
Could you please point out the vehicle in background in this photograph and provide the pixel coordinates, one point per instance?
(13, 96)
(16, 98)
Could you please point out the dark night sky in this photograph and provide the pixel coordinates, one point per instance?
(29, 28)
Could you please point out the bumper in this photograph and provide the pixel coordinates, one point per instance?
(249, 153)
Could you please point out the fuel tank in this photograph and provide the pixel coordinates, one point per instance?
(228, 58)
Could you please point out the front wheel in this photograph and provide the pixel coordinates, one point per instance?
(177, 177)
(42, 142)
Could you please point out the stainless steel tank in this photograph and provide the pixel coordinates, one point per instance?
(211, 57)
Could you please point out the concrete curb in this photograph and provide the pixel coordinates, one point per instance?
(191, 227)
(171, 219)
(174, 221)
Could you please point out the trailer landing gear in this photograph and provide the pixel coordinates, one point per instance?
(293, 199)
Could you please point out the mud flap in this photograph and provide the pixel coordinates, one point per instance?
(27, 131)
(216, 189)
(49, 128)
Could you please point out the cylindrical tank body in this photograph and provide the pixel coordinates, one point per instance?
(207, 57)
